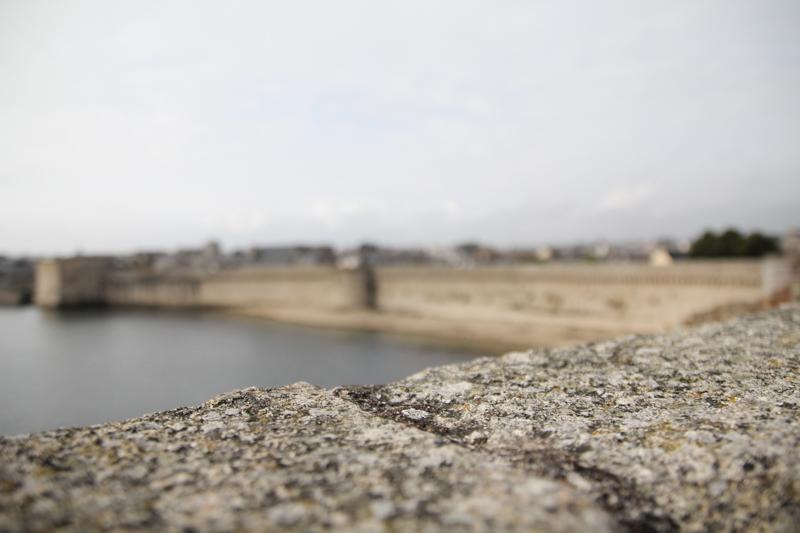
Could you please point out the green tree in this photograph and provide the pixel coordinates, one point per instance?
(729, 244)
(705, 246)
(757, 245)
(733, 244)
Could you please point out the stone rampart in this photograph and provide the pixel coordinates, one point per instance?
(71, 282)
(152, 290)
(78, 281)
(542, 305)
(689, 430)
(315, 287)
(616, 297)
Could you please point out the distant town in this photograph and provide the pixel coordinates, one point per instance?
(17, 273)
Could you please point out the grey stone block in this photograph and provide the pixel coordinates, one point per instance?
(688, 430)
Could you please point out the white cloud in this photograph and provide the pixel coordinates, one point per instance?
(625, 197)
(234, 223)
(451, 211)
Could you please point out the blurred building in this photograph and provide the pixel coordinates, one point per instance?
(16, 281)
(291, 255)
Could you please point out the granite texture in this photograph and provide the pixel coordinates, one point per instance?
(688, 430)
(293, 458)
(694, 429)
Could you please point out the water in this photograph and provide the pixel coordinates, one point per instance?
(77, 368)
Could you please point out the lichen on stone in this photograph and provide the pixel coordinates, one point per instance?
(695, 429)
(688, 430)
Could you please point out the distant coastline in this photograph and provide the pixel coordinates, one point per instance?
(490, 307)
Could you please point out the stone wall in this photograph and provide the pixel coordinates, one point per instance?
(79, 281)
(543, 305)
(316, 287)
(618, 297)
(690, 430)
(153, 290)
(71, 282)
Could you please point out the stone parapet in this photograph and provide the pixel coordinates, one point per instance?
(695, 429)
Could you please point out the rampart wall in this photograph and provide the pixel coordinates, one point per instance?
(156, 290)
(303, 287)
(70, 282)
(545, 305)
(638, 297)
(315, 287)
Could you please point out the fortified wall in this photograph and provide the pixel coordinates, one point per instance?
(301, 287)
(90, 281)
(512, 307)
(71, 282)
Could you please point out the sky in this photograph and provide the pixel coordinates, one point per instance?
(135, 125)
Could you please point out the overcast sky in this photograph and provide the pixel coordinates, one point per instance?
(136, 125)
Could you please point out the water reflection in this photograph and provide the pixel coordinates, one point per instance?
(91, 366)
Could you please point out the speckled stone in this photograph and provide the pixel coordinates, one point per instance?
(689, 430)
(293, 458)
(692, 429)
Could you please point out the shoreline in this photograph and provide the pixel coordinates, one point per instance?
(497, 335)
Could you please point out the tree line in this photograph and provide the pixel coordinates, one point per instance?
(731, 243)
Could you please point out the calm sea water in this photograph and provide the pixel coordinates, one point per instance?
(83, 367)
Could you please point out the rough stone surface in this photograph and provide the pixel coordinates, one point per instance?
(293, 458)
(689, 430)
(695, 429)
